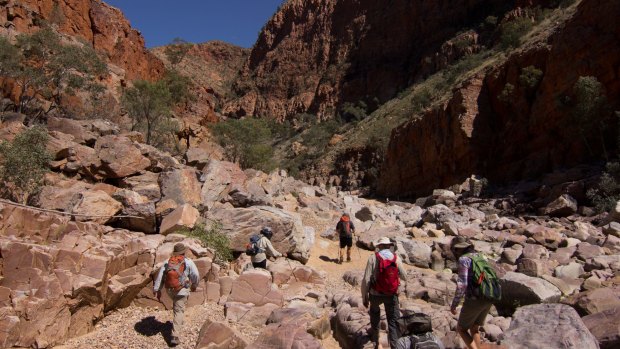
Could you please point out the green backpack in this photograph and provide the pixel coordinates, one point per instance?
(483, 280)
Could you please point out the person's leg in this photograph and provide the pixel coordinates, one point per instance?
(343, 244)
(178, 309)
(467, 338)
(484, 308)
(467, 318)
(392, 312)
(375, 317)
(475, 335)
(348, 253)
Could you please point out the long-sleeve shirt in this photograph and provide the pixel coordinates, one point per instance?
(191, 272)
(266, 248)
(462, 280)
(370, 276)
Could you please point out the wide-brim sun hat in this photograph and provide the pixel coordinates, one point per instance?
(384, 241)
(179, 249)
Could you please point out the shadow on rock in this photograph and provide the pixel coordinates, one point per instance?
(149, 326)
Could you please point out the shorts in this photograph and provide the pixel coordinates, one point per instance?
(473, 312)
(346, 241)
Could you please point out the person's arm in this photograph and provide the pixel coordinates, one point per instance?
(402, 273)
(158, 281)
(194, 276)
(366, 281)
(461, 282)
(270, 250)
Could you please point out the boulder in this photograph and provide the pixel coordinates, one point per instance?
(145, 184)
(159, 161)
(571, 271)
(61, 195)
(563, 206)
(248, 313)
(350, 325)
(587, 251)
(548, 326)
(353, 277)
(414, 252)
(411, 217)
(519, 289)
(143, 218)
(256, 287)
(288, 335)
(74, 128)
(605, 326)
(289, 235)
(218, 176)
(119, 157)
(612, 228)
(197, 157)
(181, 186)
(95, 206)
(594, 301)
(184, 216)
(218, 335)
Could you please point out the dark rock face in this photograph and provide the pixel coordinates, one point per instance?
(530, 135)
(314, 55)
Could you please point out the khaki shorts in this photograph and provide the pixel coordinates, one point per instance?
(473, 312)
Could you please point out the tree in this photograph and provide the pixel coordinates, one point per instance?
(246, 141)
(9, 58)
(590, 110)
(148, 104)
(176, 50)
(23, 163)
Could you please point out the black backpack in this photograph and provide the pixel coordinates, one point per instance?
(252, 248)
(412, 323)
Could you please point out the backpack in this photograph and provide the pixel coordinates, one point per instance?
(386, 279)
(252, 248)
(424, 341)
(411, 322)
(174, 274)
(483, 280)
(345, 227)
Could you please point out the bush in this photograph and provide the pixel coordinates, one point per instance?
(507, 93)
(212, 238)
(589, 112)
(352, 112)
(530, 77)
(607, 194)
(513, 31)
(23, 163)
(247, 142)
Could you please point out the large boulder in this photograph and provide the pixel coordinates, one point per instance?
(548, 326)
(256, 287)
(119, 157)
(146, 184)
(414, 252)
(181, 186)
(248, 313)
(605, 326)
(95, 206)
(594, 301)
(218, 335)
(519, 290)
(288, 335)
(60, 196)
(289, 235)
(563, 206)
(218, 177)
(184, 216)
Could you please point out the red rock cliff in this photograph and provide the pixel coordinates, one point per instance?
(529, 135)
(315, 54)
(98, 23)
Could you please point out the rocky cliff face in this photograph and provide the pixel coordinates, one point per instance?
(314, 55)
(103, 26)
(525, 135)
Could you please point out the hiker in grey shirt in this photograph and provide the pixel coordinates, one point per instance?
(265, 247)
(178, 285)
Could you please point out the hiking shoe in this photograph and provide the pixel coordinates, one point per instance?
(174, 341)
(348, 259)
(340, 260)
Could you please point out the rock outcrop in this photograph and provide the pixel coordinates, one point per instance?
(524, 137)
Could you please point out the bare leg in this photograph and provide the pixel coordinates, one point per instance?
(348, 253)
(475, 333)
(468, 339)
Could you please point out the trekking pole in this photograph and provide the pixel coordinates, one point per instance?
(357, 240)
(292, 270)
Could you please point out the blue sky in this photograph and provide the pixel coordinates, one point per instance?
(234, 21)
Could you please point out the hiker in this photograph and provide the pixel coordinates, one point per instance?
(476, 306)
(380, 286)
(263, 247)
(178, 276)
(346, 232)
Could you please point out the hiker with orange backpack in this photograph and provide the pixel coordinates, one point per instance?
(346, 232)
(178, 276)
(478, 284)
(384, 270)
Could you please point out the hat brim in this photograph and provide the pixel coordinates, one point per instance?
(462, 245)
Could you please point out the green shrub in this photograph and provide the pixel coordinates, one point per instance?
(513, 31)
(590, 111)
(507, 93)
(605, 196)
(23, 163)
(212, 238)
(530, 77)
(148, 104)
(177, 50)
(352, 112)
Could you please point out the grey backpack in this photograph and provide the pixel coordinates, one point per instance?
(425, 341)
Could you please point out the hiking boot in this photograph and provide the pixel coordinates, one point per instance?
(340, 260)
(174, 341)
(349, 259)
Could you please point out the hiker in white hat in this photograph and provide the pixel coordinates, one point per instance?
(384, 270)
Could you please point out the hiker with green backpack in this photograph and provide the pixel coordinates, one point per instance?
(478, 284)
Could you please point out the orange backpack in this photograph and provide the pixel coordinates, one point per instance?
(174, 274)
